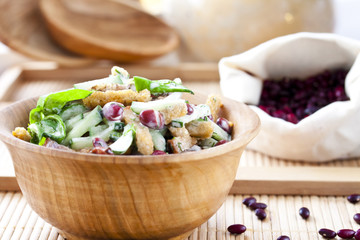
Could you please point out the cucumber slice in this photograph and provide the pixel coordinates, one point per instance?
(72, 111)
(89, 84)
(81, 143)
(124, 142)
(114, 136)
(82, 126)
(116, 130)
(207, 143)
(158, 140)
(93, 131)
(119, 126)
(201, 110)
(87, 142)
(69, 124)
(219, 133)
(158, 105)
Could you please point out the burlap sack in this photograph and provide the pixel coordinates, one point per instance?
(333, 132)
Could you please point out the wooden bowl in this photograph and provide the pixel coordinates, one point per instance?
(107, 29)
(90, 196)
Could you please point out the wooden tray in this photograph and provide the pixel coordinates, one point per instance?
(257, 173)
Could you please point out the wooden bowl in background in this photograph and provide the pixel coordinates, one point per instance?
(90, 196)
(22, 29)
(107, 29)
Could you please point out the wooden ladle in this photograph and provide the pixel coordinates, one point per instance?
(107, 29)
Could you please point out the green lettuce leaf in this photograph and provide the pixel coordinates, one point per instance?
(44, 121)
(54, 102)
(158, 87)
(51, 126)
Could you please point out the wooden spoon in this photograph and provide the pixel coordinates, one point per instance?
(107, 29)
(22, 29)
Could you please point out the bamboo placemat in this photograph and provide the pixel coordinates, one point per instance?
(18, 221)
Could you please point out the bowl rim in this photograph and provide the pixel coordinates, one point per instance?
(238, 142)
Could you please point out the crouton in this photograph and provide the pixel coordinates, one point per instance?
(179, 132)
(21, 133)
(125, 97)
(200, 129)
(130, 116)
(214, 102)
(173, 112)
(181, 144)
(181, 141)
(144, 141)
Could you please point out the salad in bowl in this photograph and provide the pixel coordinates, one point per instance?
(120, 115)
(97, 174)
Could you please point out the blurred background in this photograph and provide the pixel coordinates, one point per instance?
(211, 29)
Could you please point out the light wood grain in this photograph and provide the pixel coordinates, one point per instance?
(22, 29)
(121, 197)
(9, 183)
(297, 180)
(107, 29)
(269, 180)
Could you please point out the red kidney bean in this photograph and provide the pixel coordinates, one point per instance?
(283, 237)
(256, 205)
(294, 99)
(102, 150)
(158, 152)
(357, 218)
(346, 233)
(190, 109)
(260, 213)
(354, 198)
(221, 142)
(236, 229)
(152, 119)
(291, 117)
(357, 235)
(224, 124)
(304, 212)
(113, 111)
(327, 233)
(99, 142)
(247, 201)
(209, 117)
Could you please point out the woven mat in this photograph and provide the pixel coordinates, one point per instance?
(18, 221)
